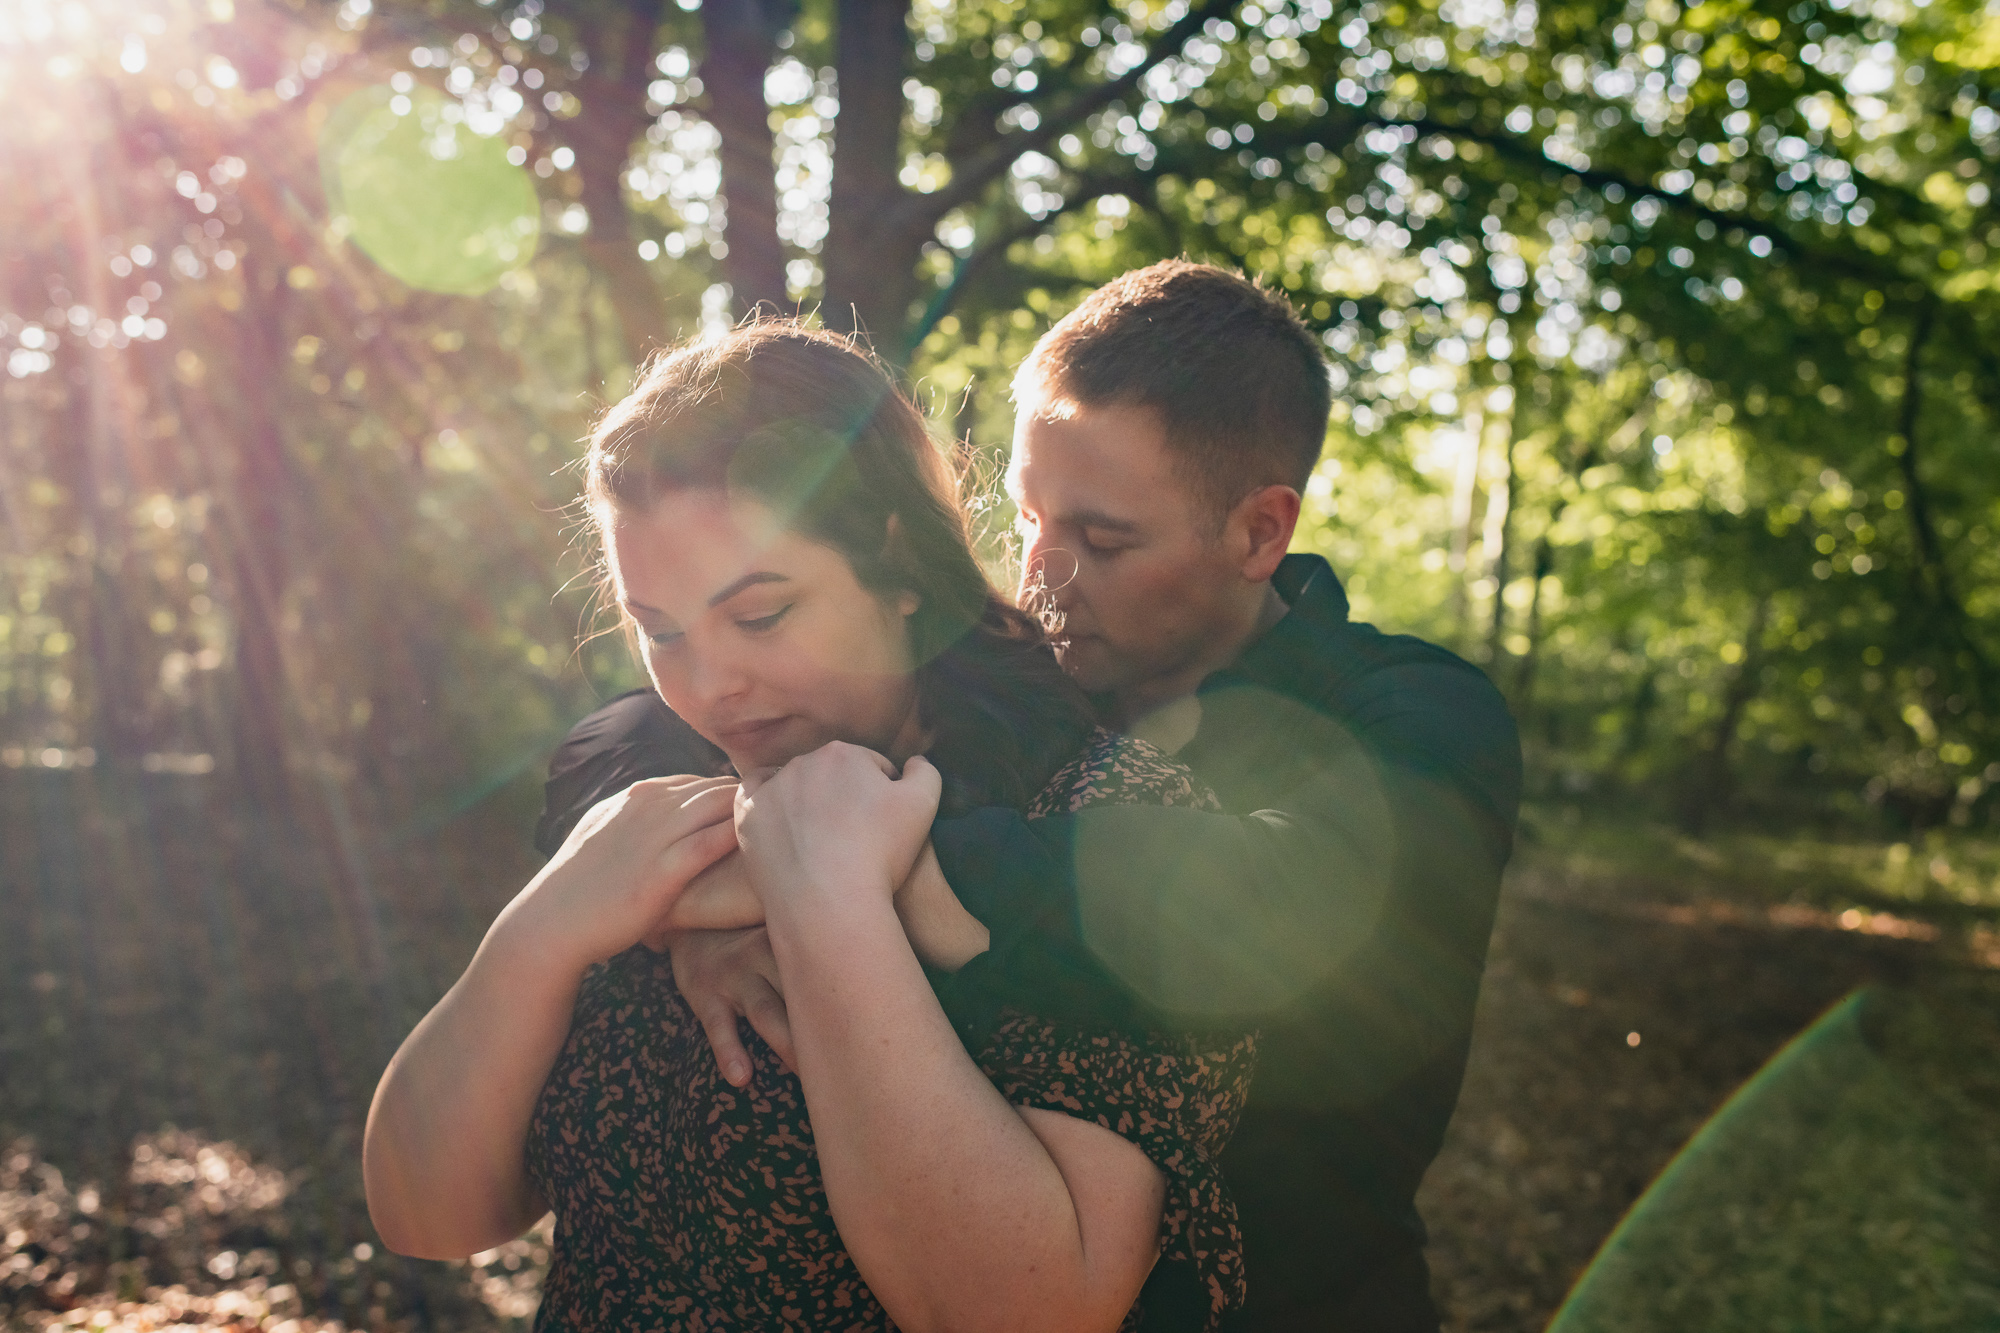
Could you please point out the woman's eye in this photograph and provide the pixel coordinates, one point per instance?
(757, 623)
(665, 638)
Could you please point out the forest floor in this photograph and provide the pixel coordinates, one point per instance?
(191, 1022)
(1628, 994)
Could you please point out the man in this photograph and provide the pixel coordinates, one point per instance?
(1370, 783)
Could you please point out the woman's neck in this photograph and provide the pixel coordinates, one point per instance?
(913, 737)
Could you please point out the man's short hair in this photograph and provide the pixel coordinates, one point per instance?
(1239, 381)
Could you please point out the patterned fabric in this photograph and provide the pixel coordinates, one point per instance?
(685, 1205)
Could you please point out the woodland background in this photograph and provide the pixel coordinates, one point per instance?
(1666, 343)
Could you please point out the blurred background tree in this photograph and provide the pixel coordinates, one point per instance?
(1665, 339)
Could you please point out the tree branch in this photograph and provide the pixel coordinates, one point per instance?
(971, 178)
(742, 39)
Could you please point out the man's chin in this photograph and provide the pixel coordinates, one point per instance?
(1088, 664)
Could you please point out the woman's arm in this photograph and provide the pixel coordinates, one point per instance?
(961, 1211)
(443, 1159)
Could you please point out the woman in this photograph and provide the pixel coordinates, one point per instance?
(783, 537)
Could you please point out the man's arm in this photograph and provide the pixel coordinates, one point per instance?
(1243, 914)
(1240, 914)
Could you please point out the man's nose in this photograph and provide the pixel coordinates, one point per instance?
(1047, 566)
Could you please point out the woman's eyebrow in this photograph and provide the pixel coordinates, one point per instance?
(747, 581)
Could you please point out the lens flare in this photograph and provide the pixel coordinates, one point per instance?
(435, 204)
(1830, 1192)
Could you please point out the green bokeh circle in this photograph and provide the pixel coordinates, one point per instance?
(439, 207)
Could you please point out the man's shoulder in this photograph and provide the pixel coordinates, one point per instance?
(1324, 657)
(636, 719)
(1365, 663)
(1413, 704)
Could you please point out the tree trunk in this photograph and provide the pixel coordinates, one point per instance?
(870, 262)
(114, 684)
(614, 116)
(1930, 552)
(1500, 534)
(1465, 485)
(1709, 782)
(1524, 678)
(742, 42)
(254, 518)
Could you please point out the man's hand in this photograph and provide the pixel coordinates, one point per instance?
(727, 974)
(944, 935)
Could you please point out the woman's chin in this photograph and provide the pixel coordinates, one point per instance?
(772, 745)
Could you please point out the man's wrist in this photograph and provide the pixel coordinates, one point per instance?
(945, 936)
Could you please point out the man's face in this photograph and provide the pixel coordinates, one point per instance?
(1129, 553)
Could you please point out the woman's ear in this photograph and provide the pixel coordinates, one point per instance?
(908, 600)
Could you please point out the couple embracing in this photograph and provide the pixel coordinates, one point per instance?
(1107, 964)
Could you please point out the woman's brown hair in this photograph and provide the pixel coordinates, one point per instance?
(812, 427)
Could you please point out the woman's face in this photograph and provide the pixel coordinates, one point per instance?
(760, 639)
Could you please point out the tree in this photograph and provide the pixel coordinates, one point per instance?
(1643, 275)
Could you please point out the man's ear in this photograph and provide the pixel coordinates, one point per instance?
(1263, 521)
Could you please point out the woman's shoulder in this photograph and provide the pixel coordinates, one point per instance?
(1114, 769)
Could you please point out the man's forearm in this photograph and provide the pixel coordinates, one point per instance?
(1195, 912)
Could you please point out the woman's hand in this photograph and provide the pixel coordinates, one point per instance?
(442, 1158)
(837, 821)
(618, 877)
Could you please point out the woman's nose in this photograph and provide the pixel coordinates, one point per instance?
(716, 677)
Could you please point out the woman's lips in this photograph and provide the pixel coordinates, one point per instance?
(750, 733)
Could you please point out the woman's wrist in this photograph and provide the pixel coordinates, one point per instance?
(528, 945)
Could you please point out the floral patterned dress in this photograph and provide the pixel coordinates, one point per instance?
(685, 1205)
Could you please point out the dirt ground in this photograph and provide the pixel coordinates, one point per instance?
(191, 1022)
(1610, 1028)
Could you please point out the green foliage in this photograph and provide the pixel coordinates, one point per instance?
(437, 206)
(1663, 338)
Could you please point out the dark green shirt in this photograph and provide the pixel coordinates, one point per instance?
(1370, 784)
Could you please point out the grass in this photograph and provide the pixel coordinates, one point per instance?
(1950, 877)
(1853, 1184)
